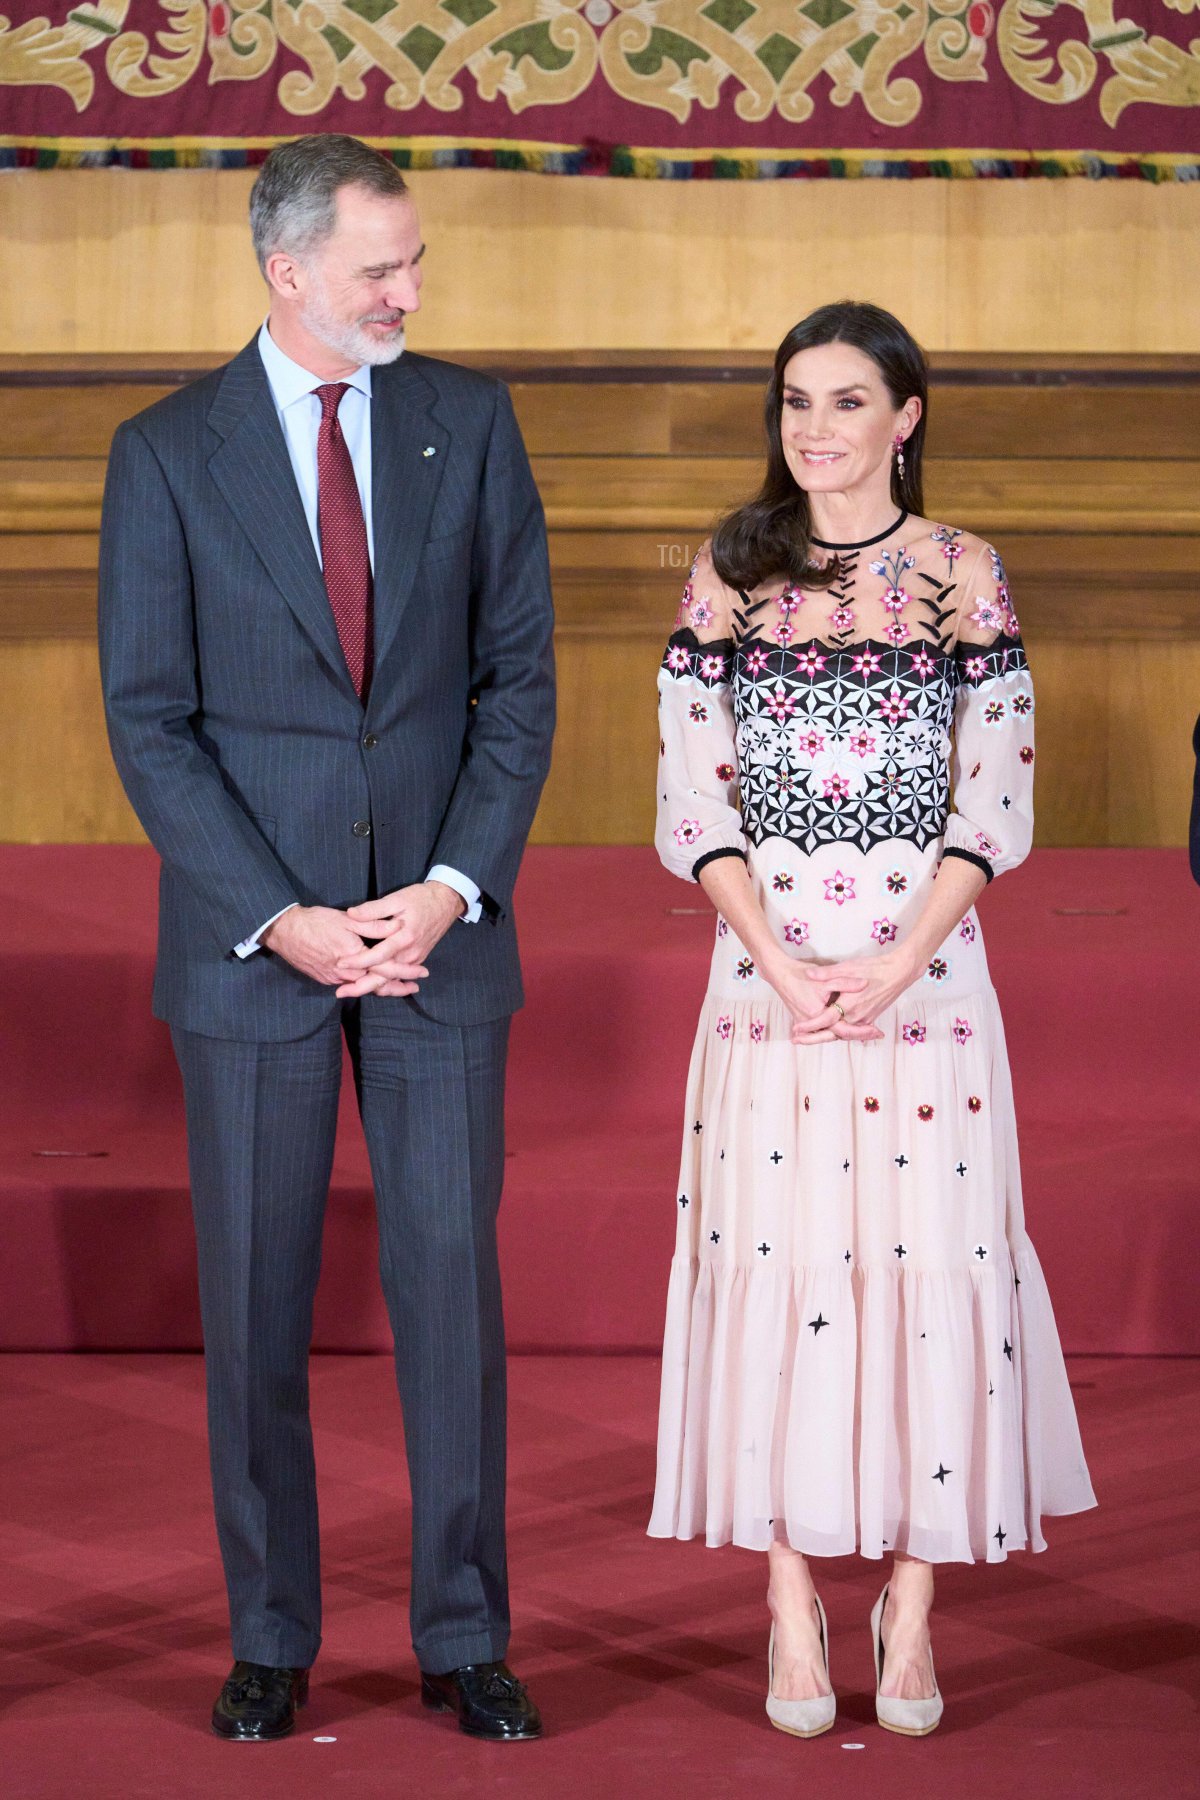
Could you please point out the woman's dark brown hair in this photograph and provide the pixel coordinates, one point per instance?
(771, 534)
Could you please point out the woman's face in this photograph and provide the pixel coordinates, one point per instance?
(838, 422)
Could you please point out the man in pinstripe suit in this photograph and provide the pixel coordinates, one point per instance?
(325, 630)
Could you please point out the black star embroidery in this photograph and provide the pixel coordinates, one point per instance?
(942, 1473)
(947, 1471)
(980, 1251)
(817, 1325)
(846, 1166)
(960, 1168)
(764, 1249)
(847, 1257)
(1008, 1349)
(777, 1157)
(901, 1250)
(901, 1161)
(697, 1128)
(1000, 1534)
(1005, 802)
(714, 1237)
(684, 1201)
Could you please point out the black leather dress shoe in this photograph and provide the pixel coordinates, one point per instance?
(488, 1698)
(259, 1703)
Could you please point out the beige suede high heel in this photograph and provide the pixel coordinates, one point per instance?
(801, 1718)
(912, 1718)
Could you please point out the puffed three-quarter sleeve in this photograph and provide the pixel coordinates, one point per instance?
(991, 820)
(697, 816)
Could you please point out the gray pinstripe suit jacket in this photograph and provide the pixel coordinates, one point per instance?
(233, 721)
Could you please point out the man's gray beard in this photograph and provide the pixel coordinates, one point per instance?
(350, 341)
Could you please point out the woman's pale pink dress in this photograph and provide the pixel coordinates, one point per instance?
(860, 1350)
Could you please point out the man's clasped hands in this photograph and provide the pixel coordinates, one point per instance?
(378, 947)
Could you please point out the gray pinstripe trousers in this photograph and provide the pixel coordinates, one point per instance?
(261, 1124)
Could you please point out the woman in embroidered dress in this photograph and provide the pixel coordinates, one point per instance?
(860, 1351)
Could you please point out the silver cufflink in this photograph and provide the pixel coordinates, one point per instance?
(429, 450)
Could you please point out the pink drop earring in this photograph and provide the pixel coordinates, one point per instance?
(900, 457)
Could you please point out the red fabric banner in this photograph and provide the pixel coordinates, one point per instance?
(635, 87)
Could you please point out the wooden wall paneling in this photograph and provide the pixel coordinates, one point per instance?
(59, 782)
(109, 259)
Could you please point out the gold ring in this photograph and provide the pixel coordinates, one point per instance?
(839, 1009)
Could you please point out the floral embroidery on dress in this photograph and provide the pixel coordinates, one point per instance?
(870, 1104)
(756, 661)
(925, 1112)
(1022, 704)
(947, 536)
(938, 969)
(687, 831)
(724, 1026)
(726, 772)
(757, 1031)
(962, 1031)
(722, 928)
(989, 615)
(701, 614)
(783, 881)
(698, 713)
(810, 662)
(883, 931)
(745, 969)
(966, 931)
(897, 883)
(712, 668)
(994, 712)
(839, 888)
(914, 1033)
(796, 931)
(974, 1104)
(1026, 753)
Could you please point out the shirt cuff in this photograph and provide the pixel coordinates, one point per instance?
(462, 884)
(249, 945)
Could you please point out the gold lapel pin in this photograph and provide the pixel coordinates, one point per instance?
(429, 450)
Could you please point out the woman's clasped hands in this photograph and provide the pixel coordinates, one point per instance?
(829, 1001)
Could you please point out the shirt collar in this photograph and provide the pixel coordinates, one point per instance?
(289, 382)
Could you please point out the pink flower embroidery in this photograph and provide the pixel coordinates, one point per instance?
(922, 664)
(883, 931)
(783, 882)
(810, 662)
(988, 614)
(1022, 704)
(994, 712)
(712, 667)
(1026, 753)
(914, 1033)
(701, 614)
(698, 713)
(966, 931)
(841, 618)
(839, 888)
(781, 705)
(870, 1104)
(986, 846)
(724, 1026)
(860, 743)
(975, 1104)
(925, 1113)
(897, 883)
(962, 1031)
(895, 707)
(745, 969)
(975, 668)
(811, 744)
(836, 788)
(790, 601)
(938, 969)
(687, 831)
(784, 632)
(756, 661)
(867, 663)
(722, 928)
(725, 771)
(757, 1031)
(796, 931)
(895, 633)
(895, 600)
(679, 660)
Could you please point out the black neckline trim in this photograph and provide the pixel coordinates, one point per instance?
(865, 543)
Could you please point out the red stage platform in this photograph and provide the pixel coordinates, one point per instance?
(1068, 1676)
(1093, 952)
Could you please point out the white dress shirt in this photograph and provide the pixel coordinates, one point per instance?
(294, 391)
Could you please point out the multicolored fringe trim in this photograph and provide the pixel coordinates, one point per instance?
(620, 160)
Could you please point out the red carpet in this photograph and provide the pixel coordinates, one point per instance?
(1093, 952)
(1072, 1675)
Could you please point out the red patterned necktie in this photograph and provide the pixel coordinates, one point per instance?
(344, 553)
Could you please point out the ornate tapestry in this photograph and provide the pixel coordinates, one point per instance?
(672, 88)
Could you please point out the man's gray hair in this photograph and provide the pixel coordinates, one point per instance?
(293, 203)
